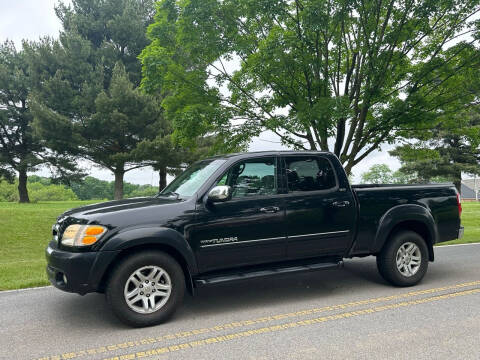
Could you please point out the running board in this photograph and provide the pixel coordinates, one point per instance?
(255, 273)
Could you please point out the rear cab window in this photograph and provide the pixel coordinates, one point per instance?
(309, 173)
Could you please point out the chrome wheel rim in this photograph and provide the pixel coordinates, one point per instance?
(147, 289)
(409, 259)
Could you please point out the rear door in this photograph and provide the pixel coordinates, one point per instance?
(248, 229)
(320, 213)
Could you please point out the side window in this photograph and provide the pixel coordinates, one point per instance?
(252, 178)
(309, 173)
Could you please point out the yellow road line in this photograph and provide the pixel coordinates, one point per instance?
(243, 323)
(285, 326)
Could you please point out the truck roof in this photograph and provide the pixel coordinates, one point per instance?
(266, 153)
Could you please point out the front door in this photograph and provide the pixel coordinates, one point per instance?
(248, 229)
(320, 215)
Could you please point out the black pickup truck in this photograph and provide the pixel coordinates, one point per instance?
(243, 216)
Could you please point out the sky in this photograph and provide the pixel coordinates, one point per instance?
(33, 19)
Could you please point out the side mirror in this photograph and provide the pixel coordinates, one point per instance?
(220, 193)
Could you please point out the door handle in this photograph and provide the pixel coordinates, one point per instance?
(341, 203)
(270, 209)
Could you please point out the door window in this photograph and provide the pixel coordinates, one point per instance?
(309, 173)
(252, 178)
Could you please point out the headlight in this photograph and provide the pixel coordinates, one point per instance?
(82, 235)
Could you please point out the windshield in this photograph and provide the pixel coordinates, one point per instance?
(188, 182)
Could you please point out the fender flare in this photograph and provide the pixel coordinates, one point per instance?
(132, 237)
(140, 237)
(403, 213)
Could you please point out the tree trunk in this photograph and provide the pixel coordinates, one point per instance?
(162, 183)
(347, 166)
(22, 187)
(118, 194)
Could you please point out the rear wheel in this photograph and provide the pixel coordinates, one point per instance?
(146, 288)
(403, 261)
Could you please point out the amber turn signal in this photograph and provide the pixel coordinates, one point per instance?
(94, 230)
(89, 240)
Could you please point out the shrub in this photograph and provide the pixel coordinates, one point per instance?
(37, 191)
(144, 190)
(52, 193)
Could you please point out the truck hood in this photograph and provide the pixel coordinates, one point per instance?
(118, 205)
(124, 213)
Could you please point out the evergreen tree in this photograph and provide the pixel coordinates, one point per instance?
(167, 157)
(20, 150)
(447, 150)
(86, 101)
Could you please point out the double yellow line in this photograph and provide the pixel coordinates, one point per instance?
(285, 326)
(244, 323)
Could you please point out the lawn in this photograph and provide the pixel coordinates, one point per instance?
(471, 222)
(26, 230)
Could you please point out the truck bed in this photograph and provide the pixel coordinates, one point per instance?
(375, 201)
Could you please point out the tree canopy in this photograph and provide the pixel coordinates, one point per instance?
(92, 188)
(382, 174)
(341, 75)
(89, 188)
(449, 149)
(166, 156)
(20, 150)
(378, 174)
(86, 100)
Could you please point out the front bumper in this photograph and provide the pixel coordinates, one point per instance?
(75, 268)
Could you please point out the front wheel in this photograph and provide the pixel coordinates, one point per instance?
(403, 261)
(146, 288)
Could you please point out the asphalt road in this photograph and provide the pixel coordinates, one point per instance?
(349, 313)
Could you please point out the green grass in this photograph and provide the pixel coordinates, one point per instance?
(26, 230)
(471, 222)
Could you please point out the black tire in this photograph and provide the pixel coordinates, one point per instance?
(122, 272)
(387, 259)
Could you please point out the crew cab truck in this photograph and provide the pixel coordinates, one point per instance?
(242, 216)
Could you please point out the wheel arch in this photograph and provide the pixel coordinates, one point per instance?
(129, 251)
(410, 217)
(131, 241)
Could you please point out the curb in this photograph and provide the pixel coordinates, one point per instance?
(24, 289)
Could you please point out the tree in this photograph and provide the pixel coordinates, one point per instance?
(92, 188)
(378, 174)
(330, 75)
(168, 157)
(446, 151)
(20, 150)
(121, 118)
(382, 174)
(162, 154)
(400, 177)
(86, 100)
(37, 191)
(124, 116)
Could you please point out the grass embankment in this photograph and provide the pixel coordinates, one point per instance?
(26, 229)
